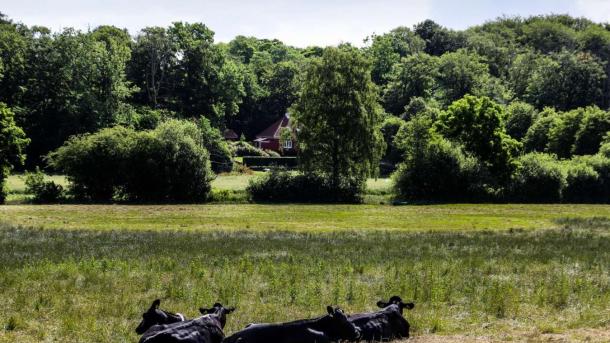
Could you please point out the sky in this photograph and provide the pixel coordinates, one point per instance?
(296, 22)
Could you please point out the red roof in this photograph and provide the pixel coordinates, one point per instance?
(273, 131)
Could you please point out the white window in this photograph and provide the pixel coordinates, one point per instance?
(288, 144)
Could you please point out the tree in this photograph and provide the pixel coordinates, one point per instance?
(548, 36)
(439, 40)
(387, 50)
(414, 76)
(461, 73)
(566, 81)
(477, 123)
(594, 126)
(12, 145)
(152, 62)
(338, 117)
(519, 118)
(562, 132)
(537, 136)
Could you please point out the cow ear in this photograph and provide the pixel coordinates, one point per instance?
(408, 306)
(330, 310)
(382, 304)
(155, 304)
(230, 309)
(205, 310)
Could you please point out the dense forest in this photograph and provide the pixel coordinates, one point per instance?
(494, 93)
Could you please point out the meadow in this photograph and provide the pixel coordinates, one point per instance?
(85, 273)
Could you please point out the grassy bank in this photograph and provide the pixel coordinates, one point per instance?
(91, 286)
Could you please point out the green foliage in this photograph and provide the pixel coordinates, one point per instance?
(537, 138)
(583, 184)
(338, 117)
(414, 76)
(439, 40)
(477, 124)
(538, 178)
(461, 73)
(562, 132)
(221, 156)
(595, 125)
(566, 81)
(519, 117)
(548, 36)
(283, 186)
(440, 171)
(242, 148)
(389, 128)
(165, 164)
(387, 50)
(12, 145)
(43, 191)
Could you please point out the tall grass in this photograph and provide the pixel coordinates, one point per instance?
(91, 286)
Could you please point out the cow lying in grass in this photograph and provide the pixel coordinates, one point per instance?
(386, 324)
(156, 316)
(205, 329)
(333, 327)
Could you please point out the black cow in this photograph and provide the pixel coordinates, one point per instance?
(386, 324)
(205, 329)
(332, 327)
(156, 316)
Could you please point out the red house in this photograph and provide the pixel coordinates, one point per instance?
(271, 137)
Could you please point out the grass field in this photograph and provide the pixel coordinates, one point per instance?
(85, 273)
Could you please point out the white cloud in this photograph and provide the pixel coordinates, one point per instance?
(598, 10)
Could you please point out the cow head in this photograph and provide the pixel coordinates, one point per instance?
(219, 311)
(396, 300)
(155, 316)
(341, 328)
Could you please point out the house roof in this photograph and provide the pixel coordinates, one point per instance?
(230, 134)
(273, 131)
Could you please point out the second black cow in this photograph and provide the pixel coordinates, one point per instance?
(386, 324)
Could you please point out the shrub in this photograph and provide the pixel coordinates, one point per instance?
(283, 186)
(43, 191)
(583, 184)
(440, 172)
(601, 165)
(168, 164)
(538, 178)
(95, 164)
(242, 148)
(165, 164)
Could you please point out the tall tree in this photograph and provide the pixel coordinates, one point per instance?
(12, 145)
(461, 73)
(338, 117)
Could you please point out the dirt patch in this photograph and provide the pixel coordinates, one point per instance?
(579, 335)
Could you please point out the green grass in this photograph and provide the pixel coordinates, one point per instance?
(87, 285)
(298, 218)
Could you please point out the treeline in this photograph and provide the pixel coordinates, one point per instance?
(486, 101)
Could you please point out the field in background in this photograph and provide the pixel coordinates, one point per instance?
(226, 188)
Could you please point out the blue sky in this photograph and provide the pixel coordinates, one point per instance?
(297, 22)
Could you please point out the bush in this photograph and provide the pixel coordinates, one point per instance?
(539, 178)
(283, 186)
(241, 149)
(440, 172)
(44, 192)
(583, 184)
(165, 164)
(519, 118)
(601, 165)
(168, 164)
(272, 153)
